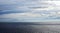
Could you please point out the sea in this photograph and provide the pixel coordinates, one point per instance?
(29, 27)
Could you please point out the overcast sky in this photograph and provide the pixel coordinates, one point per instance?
(29, 10)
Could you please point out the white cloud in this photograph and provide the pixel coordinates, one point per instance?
(19, 15)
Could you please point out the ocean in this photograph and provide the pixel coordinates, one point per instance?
(29, 27)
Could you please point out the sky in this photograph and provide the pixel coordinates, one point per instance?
(29, 10)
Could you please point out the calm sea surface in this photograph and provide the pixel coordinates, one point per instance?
(29, 28)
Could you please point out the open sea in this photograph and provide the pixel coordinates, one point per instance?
(29, 27)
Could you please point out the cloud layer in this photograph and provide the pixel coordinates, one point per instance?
(29, 10)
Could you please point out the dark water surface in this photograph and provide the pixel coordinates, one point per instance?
(19, 27)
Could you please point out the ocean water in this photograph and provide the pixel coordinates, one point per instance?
(20, 27)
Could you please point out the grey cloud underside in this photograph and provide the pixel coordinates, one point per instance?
(22, 4)
(12, 11)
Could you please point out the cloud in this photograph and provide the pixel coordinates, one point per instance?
(26, 17)
(18, 15)
(29, 10)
